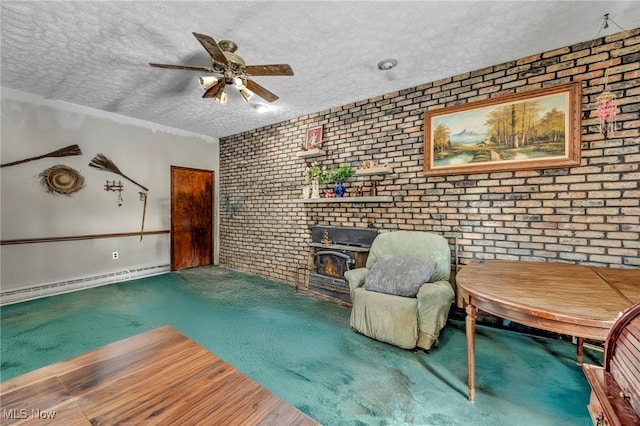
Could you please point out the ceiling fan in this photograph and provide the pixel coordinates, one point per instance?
(233, 71)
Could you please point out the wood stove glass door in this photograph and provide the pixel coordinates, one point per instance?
(332, 264)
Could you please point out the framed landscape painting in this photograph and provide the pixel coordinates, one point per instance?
(538, 129)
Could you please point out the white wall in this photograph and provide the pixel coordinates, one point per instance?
(143, 151)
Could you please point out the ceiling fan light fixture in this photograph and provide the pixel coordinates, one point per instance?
(245, 93)
(387, 64)
(207, 82)
(234, 71)
(221, 96)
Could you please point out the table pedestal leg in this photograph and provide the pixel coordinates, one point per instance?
(579, 350)
(470, 323)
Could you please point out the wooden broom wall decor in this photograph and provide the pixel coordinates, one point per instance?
(62, 152)
(103, 163)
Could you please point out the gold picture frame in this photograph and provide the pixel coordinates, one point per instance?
(538, 129)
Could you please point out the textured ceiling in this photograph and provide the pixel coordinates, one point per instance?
(96, 53)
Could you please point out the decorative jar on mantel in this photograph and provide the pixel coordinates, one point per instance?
(339, 176)
(306, 192)
(315, 189)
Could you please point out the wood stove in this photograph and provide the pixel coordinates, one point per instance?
(334, 251)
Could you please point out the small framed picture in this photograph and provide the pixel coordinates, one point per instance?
(314, 138)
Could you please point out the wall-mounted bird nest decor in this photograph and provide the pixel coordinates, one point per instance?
(61, 179)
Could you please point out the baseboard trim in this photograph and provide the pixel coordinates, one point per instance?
(53, 289)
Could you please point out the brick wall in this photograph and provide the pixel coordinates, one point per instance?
(588, 214)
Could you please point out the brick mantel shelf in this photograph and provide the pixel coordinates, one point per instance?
(311, 153)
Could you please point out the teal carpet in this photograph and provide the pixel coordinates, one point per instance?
(302, 349)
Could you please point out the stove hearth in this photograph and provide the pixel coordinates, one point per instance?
(334, 251)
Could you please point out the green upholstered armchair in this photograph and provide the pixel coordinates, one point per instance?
(403, 321)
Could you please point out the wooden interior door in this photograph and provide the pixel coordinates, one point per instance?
(191, 218)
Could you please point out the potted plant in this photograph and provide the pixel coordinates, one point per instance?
(339, 175)
(316, 174)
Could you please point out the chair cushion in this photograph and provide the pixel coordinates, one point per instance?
(416, 244)
(385, 317)
(399, 275)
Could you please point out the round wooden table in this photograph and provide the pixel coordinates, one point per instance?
(577, 300)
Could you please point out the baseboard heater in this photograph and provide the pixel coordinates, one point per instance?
(45, 290)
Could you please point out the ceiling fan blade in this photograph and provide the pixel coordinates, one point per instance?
(213, 90)
(183, 67)
(274, 69)
(212, 47)
(261, 91)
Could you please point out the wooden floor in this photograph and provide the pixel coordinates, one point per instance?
(158, 377)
